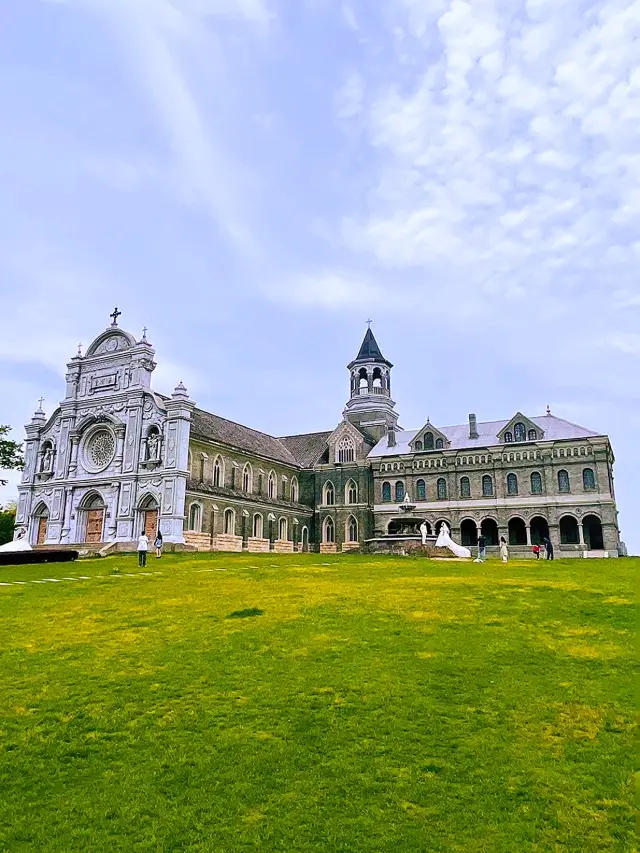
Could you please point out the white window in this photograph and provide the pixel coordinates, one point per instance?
(346, 450)
(229, 521)
(247, 479)
(195, 518)
(295, 491)
(218, 472)
(272, 486)
(351, 529)
(257, 526)
(283, 529)
(351, 493)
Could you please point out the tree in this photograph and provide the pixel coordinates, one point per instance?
(10, 453)
(7, 522)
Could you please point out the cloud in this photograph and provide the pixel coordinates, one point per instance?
(350, 98)
(331, 290)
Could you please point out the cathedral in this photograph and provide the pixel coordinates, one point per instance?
(117, 457)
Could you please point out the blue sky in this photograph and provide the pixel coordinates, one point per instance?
(253, 179)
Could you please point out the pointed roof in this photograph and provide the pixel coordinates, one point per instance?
(369, 352)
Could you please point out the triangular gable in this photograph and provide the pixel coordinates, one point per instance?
(512, 431)
(427, 438)
(347, 429)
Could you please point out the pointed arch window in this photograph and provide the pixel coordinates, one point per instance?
(421, 490)
(328, 530)
(351, 493)
(399, 491)
(386, 492)
(351, 529)
(295, 490)
(536, 483)
(218, 472)
(329, 494)
(272, 485)
(465, 487)
(195, 518)
(512, 484)
(257, 526)
(346, 449)
(441, 488)
(487, 486)
(428, 441)
(229, 522)
(519, 432)
(564, 483)
(588, 480)
(283, 529)
(247, 479)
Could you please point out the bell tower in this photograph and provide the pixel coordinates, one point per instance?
(370, 406)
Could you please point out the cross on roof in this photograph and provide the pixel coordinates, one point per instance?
(80, 348)
(115, 316)
(40, 402)
(144, 333)
(369, 322)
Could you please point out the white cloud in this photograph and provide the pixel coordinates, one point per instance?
(350, 98)
(332, 289)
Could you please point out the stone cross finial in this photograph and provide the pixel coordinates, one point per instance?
(548, 409)
(144, 333)
(40, 402)
(115, 316)
(369, 322)
(80, 349)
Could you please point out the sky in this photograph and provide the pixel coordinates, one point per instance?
(253, 179)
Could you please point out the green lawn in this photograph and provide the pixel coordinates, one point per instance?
(313, 703)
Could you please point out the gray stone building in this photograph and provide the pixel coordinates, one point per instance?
(117, 457)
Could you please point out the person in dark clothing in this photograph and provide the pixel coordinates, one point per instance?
(548, 546)
(482, 549)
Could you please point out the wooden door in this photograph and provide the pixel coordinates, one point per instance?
(94, 525)
(151, 523)
(42, 531)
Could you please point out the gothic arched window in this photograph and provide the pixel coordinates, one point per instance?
(465, 487)
(512, 484)
(283, 529)
(508, 437)
(295, 490)
(417, 445)
(195, 518)
(421, 490)
(386, 491)
(532, 435)
(441, 487)
(329, 531)
(257, 526)
(564, 484)
(399, 491)
(229, 522)
(428, 441)
(487, 486)
(439, 444)
(329, 494)
(536, 483)
(351, 493)
(351, 529)
(247, 478)
(588, 480)
(272, 485)
(218, 472)
(346, 449)
(519, 432)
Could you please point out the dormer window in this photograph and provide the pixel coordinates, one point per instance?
(428, 441)
(520, 432)
(508, 437)
(417, 445)
(346, 450)
(532, 435)
(439, 444)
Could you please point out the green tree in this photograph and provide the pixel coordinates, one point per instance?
(10, 453)
(7, 522)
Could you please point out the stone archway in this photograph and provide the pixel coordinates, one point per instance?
(41, 521)
(569, 532)
(468, 532)
(148, 509)
(539, 529)
(517, 531)
(593, 535)
(93, 508)
(489, 529)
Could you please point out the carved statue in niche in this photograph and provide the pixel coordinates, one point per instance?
(153, 446)
(47, 459)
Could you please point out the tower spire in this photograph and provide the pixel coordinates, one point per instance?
(370, 406)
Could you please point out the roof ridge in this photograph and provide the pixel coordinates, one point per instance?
(237, 423)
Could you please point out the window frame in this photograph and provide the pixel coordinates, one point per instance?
(465, 487)
(441, 489)
(537, 476)
(512, 477)
(490, 492)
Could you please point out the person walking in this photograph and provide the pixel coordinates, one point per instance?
(143, 547)
(158, 545)
(548, 546)
(482, 549)
(504, 550)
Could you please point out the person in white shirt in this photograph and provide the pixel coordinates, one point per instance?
(143, 547)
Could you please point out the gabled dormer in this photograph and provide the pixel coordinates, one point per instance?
(520, 429)
(429, 438)
(347, 444)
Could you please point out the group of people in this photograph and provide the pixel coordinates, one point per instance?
(143, 547)
(546, 548)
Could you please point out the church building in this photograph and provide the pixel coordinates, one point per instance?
(117, 457)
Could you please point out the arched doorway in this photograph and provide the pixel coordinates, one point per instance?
(41, 520)
(517, 532)
(468, 532)
(539, 529)
(569, 533)
(489, 528)
(593, 536)
(149, 516)
(305, 539)
(94, 519)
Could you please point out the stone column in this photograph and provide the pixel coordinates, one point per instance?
(528, 528)
(73, 463)
(580, 533)
(66, 524)
(120, 433)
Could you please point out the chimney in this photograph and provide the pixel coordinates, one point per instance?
(391, 436)
(473, 426)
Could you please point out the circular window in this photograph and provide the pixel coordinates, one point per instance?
(100, 450)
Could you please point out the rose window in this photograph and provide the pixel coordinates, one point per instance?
(102, 448)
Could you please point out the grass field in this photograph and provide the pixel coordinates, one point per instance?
(311, 703)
